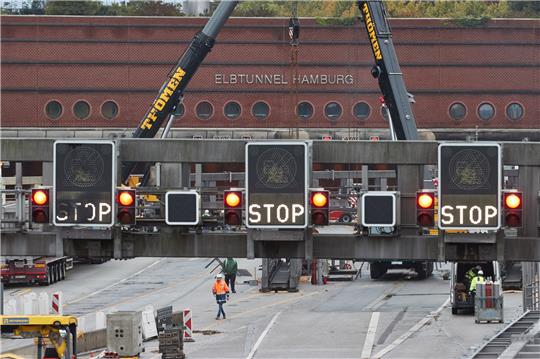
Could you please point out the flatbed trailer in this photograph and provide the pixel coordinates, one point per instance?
(35, 270)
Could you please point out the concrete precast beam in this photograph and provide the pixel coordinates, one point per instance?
(232, 151)
(175, 243)
(180, 150)
(524, 249)
(28, 244)
(21, 149)
(368, 248)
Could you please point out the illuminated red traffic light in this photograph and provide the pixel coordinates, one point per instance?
(320, 201)
(425, 209)
(232, 199)
(125, 199)
(512, 200)
(232, 204)
(40, 197)
(425, 200)
(513, 208)
(40, 205)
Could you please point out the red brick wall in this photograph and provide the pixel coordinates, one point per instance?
(127, 59)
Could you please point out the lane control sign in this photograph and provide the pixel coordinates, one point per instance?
(470, 186)
(277, 184)
(182, 208)
(379, 209)
(84, 183)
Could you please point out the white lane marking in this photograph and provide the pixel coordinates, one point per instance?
(193, 259)
(411, 331)
(120, 281)
(370, 336)
(263, 334)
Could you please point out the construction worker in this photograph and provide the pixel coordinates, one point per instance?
(471, 273)
(221, 291)
(478, 279)
(230, 268)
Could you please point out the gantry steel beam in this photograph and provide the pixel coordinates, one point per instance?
(233, 151)
(174, 242)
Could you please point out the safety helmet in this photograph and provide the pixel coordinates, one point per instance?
(219, 276)
(480, 272)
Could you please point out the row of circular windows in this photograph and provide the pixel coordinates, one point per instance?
(81, 110)
(486, 111)
(261, 110)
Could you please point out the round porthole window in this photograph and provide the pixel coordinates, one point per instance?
(361, 110)
(232, 110)
(457, 111)
(53, 110)
(260, 110)
(109, 110)
(304, 110)
(486, 111)
(204, 110)
(179, 110)
(81, 109)
(514, 111)
(332, 111)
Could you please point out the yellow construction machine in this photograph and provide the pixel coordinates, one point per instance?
(56, 334)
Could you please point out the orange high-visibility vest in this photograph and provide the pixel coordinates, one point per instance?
(220, 287)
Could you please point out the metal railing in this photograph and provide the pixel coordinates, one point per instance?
(531, 285)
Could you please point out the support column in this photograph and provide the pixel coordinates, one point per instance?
(409, 178)
(117, 242)
(47, 176)
(185, 171)
(59, 243)
(529, 183)
(171, 175)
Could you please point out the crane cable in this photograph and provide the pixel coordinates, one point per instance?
(294, 34)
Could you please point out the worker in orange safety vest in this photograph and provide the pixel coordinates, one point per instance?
(221, 291)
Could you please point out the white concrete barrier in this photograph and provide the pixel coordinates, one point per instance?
(101, 320)
(35, 303)
(81, 325)
(11, 307)
(26, 304)
(43, 303)
(19, 305)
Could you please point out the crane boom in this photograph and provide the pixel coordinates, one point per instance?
(180, 75)
(387, 70)
(172, 90)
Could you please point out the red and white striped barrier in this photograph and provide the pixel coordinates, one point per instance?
(57, 304)
(188, 326)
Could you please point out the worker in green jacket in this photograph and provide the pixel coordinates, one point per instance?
(230, 268)
(471, 273)
(478, 279)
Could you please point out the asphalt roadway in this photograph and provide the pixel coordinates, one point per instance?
(395, 317)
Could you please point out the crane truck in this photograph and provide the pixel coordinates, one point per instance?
(397, 101)
(396, 104)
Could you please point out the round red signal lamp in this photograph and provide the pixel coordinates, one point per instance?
(425, 200)
(232, 199)
(512, 201)
(40, 197)
(126, 198)
(319, 199)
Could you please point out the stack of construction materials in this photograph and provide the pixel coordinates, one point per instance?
(170, 343)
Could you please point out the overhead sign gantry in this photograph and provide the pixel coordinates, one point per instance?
(470, 186)
(277, 182)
